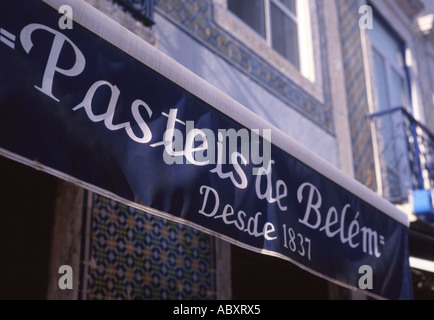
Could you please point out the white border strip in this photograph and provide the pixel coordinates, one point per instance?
(422, 264)
(170, 217)
(111, 31)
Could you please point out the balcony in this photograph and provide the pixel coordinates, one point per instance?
(142, 10)
(405, 150)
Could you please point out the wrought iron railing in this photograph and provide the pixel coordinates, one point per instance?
(142, 10)
(405, 151)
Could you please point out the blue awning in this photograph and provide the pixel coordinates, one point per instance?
(98, 106)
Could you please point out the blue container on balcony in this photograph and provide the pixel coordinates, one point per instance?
(422, 202)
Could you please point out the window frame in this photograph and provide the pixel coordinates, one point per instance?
(268, 24)
(309, 75)
(289, 14)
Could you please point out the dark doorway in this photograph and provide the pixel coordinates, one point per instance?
(27, 204)
(259, 277)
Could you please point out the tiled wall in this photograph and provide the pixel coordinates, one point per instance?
(130, 254)
(357, 98)
(196, 19)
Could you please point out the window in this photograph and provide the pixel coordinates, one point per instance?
(250, 23)
(275, 21)
(389, 67)
(391, 82)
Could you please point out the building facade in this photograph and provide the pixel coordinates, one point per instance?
(352, 81)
